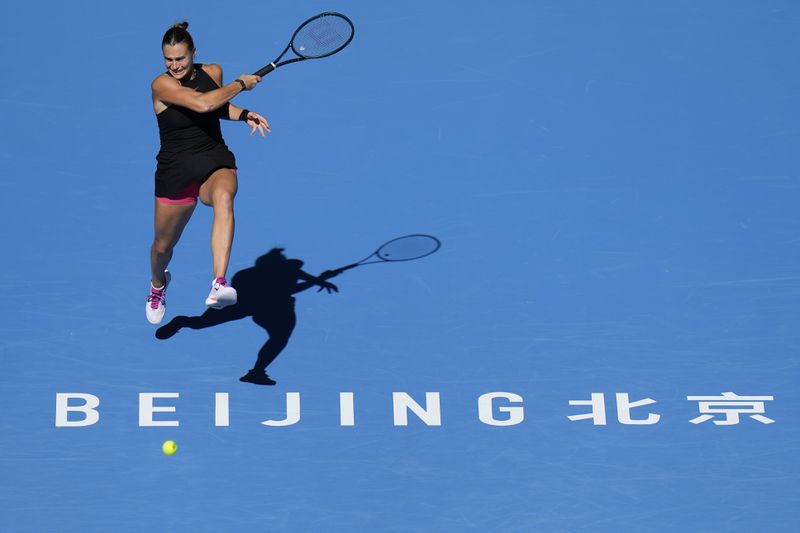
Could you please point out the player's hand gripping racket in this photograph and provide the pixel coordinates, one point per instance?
(405, 248)
(319, 36)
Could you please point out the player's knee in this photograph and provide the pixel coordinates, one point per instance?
(162, 246)
(223, 198)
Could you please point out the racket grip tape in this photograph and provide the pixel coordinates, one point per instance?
(266, 70)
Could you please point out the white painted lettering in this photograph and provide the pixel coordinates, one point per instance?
(292, 411)
(222, 412)
(486, 412)
(89, 409)
(146, 409)
(347, 415)
(430, 414)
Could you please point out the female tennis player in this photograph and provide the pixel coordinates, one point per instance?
(189, 99)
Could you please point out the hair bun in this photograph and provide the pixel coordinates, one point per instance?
(177, 34)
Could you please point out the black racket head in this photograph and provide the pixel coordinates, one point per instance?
(322, 35)
(408, 247)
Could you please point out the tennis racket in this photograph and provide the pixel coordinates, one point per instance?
(319, 36)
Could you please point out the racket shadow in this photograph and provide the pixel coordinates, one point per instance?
(266, 295)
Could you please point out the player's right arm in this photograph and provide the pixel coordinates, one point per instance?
(169, 91)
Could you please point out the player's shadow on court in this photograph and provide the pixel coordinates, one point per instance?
(265, 293)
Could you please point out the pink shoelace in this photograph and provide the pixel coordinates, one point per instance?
(156, 297)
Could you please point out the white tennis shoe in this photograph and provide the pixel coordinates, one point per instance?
(221, 294)
(157, 302)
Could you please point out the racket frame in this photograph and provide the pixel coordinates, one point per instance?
(300, 57)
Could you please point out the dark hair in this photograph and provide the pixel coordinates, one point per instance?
(177, 34)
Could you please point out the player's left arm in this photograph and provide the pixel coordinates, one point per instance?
(253, 119)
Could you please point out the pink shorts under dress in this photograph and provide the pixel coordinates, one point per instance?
(187, 196)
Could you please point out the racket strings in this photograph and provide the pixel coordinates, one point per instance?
(322, 36)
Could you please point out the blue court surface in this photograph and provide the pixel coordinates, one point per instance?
(606, 341)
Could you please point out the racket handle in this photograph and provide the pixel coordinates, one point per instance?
(336, 272)
(265, 70)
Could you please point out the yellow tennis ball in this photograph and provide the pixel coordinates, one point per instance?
(169, 447)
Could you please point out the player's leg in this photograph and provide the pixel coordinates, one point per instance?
(170, 220)
(219, 191)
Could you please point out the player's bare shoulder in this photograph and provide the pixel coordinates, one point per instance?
(160, 83)
(215, 71)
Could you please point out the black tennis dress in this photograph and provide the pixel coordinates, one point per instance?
(192, 147)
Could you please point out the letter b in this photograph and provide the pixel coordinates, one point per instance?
(89, 409)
